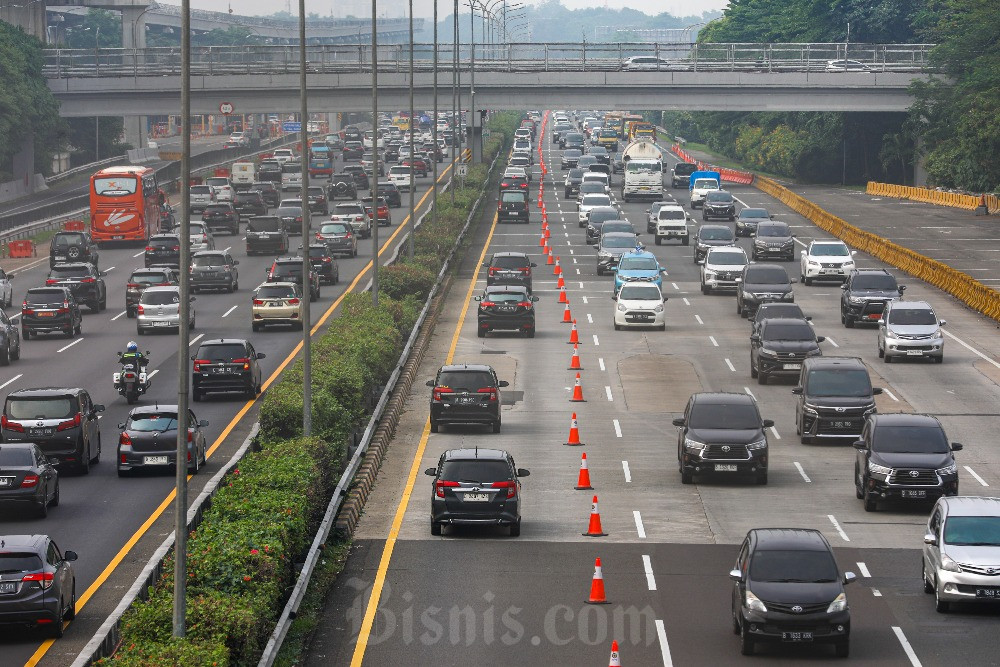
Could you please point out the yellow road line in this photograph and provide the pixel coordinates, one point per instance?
(404, 501)
(138, 534)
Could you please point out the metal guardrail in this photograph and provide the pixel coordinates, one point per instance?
(90, 166)
(514, 57)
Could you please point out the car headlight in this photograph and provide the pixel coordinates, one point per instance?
(856, 299)
(758, 444)
(949, 565)
(876, 469)
(768, 352)
(848, 263)
(809, 409)
(814, 352)
(788, 296)
(889, 333)
(839, 604)
(948, 470)
(621, 308)
(754, 603)
(749, 295)
(760, 243)
(870, 409)
(786, 243)
(709, 275)
(694, 446)
(658, 308)
(938, 334)
(812, 263)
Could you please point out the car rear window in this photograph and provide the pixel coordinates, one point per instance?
(58, 407)
(217, 181)
(247, 196)
(162, 421)
(465, 380)
(475, 471)
(200, 190)
(670, 214)
(510, 262)
(69, 239)
(513, 197)
(37, 297)
(148, 278)
(69, 272)
(287, 269)
(264, 224)
(347, 209)
(317, 251)
(793, 565)
(335, 228)
(159, 298)
(275, 292)
(724, 416)
(16, 458)
(223, 352)
(766, 275)
(14, 562)
(216, 208)
(596, 200)
(615, 225)
(208, 260)
(316, 191)
(165, 242)
(198, 228)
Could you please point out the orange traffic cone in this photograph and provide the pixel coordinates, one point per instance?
(557, 271)
(583, 482)
(574, 335)
(550, 261)
(574, 362)
(567, 315)
(574, 433)
(539, 197)
(562, 294)
(597, 586)
(545, 219)
(560, 283)
(547, 232)
(594, 529)
(541, 241)
(577, 392)
(615, 659)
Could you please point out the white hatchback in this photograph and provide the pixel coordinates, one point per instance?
(639, 305)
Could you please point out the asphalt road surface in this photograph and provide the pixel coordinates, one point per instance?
(479, 596)
(115, 524)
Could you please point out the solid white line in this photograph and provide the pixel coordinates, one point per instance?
(876, 592)
(584, 299)
(11, 380)
(196, 339)
(618, 428)
(970, 348)
(639, 528)
(661, 634)
(139, 254)
(66, 347)
(686, 302)
(891, 395)
(831, 341)
(730, 364)
(152, 373)
(864, 570)
(840, 530)
(110, 268)
(590, 318)
(596, 342)
(600, 362)
(628, 473)
(15, 316)
(698, 317)
(749, 393)
(798, 466)
(117, 316)
(607, 390)
(647, 564)
(230, 310)
(907, 649)
(775, 432)
(714, 342)
(973, 473)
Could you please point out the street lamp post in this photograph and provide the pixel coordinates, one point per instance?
(434, 120)
(456, 125)
(411, 224)
(374, 186)
(306, 220)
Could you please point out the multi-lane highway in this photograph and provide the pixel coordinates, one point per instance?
(115, 524)
(477, 595)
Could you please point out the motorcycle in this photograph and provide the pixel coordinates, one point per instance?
(131, 381)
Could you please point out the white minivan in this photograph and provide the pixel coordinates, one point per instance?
(400, 175)
(291, 176)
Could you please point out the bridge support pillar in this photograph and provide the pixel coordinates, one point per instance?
(333, 122)
(920, 164)
(474, 135)
(134, 26)
(135, 131)
(29, 16)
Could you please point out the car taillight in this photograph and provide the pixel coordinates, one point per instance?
(258, 302)
(140, 310)
(439, 487)
(51, 281)
(176, 247)
(327, 260)
(439, 393)
(29, 481)
(88, 280)
(25, 310)
(493, 269)
(199, 362)
(11, 426)
(132, 285)
(245, 362)
(190, 438)
(43, 578)
(347, 236)
(150, 248)
(487, 304)
(524, 304)
(510, 486)
(293, 302)
(70, 423)
(319, 237)
(489, 390)
(124, 439)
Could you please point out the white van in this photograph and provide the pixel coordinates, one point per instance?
(291, 176)
(242, 174)
(400, 175)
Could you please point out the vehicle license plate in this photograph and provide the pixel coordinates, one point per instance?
(791, 367)
(796, 636)
(914, 353)
(118, 237)
(6, 481)
(60, 258)
(466, 400)
(46, 314)
(725, 467)
(161, 324)
(476, 497)
(847, 424)
(990, 593)
(274, 304)
(221, 369)
(8, 586)
(913, 493)
(154, 460)
(41, 431)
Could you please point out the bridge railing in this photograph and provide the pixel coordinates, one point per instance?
(516, 57)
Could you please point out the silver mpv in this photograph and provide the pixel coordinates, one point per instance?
(910, 329)
(159, 308)
(961, 559)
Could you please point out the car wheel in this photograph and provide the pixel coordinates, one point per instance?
(842, 649)
(881, 352)
(617, 327)
(886, 358)
(71, 611)
(481, 332)
(686, 241)
(435, 427)
(529, 333)
(658, 240)
(496, 426)
(686, 478)
(196, 395)
(937, 360)
(515, 529)
(193, 469)
(79, 328)
(103, 305)
(84, 465)
(435, 529)
(5, 356)
(871, 502)
(42, 509)
(762, 479)
(705, 290)
(139, 331)
(746, 641)
(762, 377)
(736, 622)
(940, 606)
(928, 584)
(17, 351)
(848, 321)
(806, 280)
(57, 626)
(55, 496)
(753, 369)
(26, 334)
(97, 457)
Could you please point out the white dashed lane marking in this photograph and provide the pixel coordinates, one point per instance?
(625, 468)
(639, 528)
(798, 466)
(730, 364)
(836, 526)
(618, 428)
(647, 566)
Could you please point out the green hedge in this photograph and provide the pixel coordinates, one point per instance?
(241, 558)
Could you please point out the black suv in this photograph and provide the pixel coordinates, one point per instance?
(28, 480)
(214, 269)
(709, 236)
(572, 185)
(269, 191)
(835, 395)
(904, 456)
(10, 340)
(221, 216)
(266, 234)
(249, 202)
(318, 200)
(772, 239)
(324, 264)
(779, 347)
(48, 310)
(509, 307)
(570, 157)
(476, 487)
(465, 394)
(72, 247)
(289, 270)
(722, 434)
(226, 365)
(719, 204)
(787, 588)
(390, 192)
(84, 281)
(865, 293)
(342, 186)
(143, 278)
(509, 268)
(62, 422)
(776, 309)
(163, 249)
(359, 175)
(762, 283)
(37, 584)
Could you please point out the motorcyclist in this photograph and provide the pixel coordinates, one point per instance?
(132, 353)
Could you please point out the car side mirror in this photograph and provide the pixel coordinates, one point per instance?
(755, 338)
(429, 383)
(854, 252)
(735, 575)
(844, 287)
(793, 280)
(860, 445)
(881, 321)
(121, 426)
(503, 383)
(147, 353)
(802, 254)
(432, 472)
(260, 355)
(202, 423)
(102, 273)
(942, 323)
(523, 472)
(771, 217)
(98, 407)
(534, 299)
(236, 262)
(70, 556)
(849, 577)
(739, 280)
(820, 339)
(877, 391)
(477, 298)
(931, 539)
(678, 422)
(902, 288)
(767, 423)
(533, 264)
(797, 391)
(957, 446)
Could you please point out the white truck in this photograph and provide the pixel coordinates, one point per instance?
(242, 175)
(643, 171)
(672, 223)
(701, 183)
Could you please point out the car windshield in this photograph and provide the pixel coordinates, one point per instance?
(465, 380)
(616, 241)
(16, 458)
(602, 214)
(69, 239)
(685, 169)
(972, 531)
(275, 292)
(829, 250)
(334, 229)
(724, 416)
(572, 152)
(720, 197)
(164, 421)
(160, 297)
(767, 276)
(638, 264)
(787, 565)
(510, 262)
(789, 332)
(46, 297)
(715, 234)
(40, 408)
(208, 260)
(912, 316)
(198, 229)
(772, 230)
(475, 471)
(12, 562)
(221, 353)
(727, 258)
(875, 281)
(670, 214)
(839, 382)
(640, 293)
(69, 272)
(897, 439)
(112, 186)
(706, 184)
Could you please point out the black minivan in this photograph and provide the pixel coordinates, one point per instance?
(722, 434)
(513, 205)
(834, 396)
(63, 422)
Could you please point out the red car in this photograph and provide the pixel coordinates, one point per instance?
(384, 217)
(420, 166)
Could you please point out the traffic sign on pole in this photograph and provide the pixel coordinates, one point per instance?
(462, 169)
(291, 126)
(226, 108)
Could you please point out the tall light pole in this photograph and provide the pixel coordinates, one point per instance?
(306, 220)
(434, 132)
(184, 336)
(374, 185)
(472, 73)
(411, 223)
(456, 125)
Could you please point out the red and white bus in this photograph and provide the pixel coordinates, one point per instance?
(124, 204)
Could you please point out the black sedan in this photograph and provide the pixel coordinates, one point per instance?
(83, 280)
(149, 440)
(163, 249)
(506, 307)
(27, 478)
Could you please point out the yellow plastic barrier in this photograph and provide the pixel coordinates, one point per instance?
(955, 200)
(964, 287)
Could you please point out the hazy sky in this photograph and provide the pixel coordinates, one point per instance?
(425, 7)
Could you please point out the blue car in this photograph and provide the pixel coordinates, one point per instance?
(638, 265)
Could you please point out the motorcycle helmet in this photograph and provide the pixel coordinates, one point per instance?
(132, 346)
